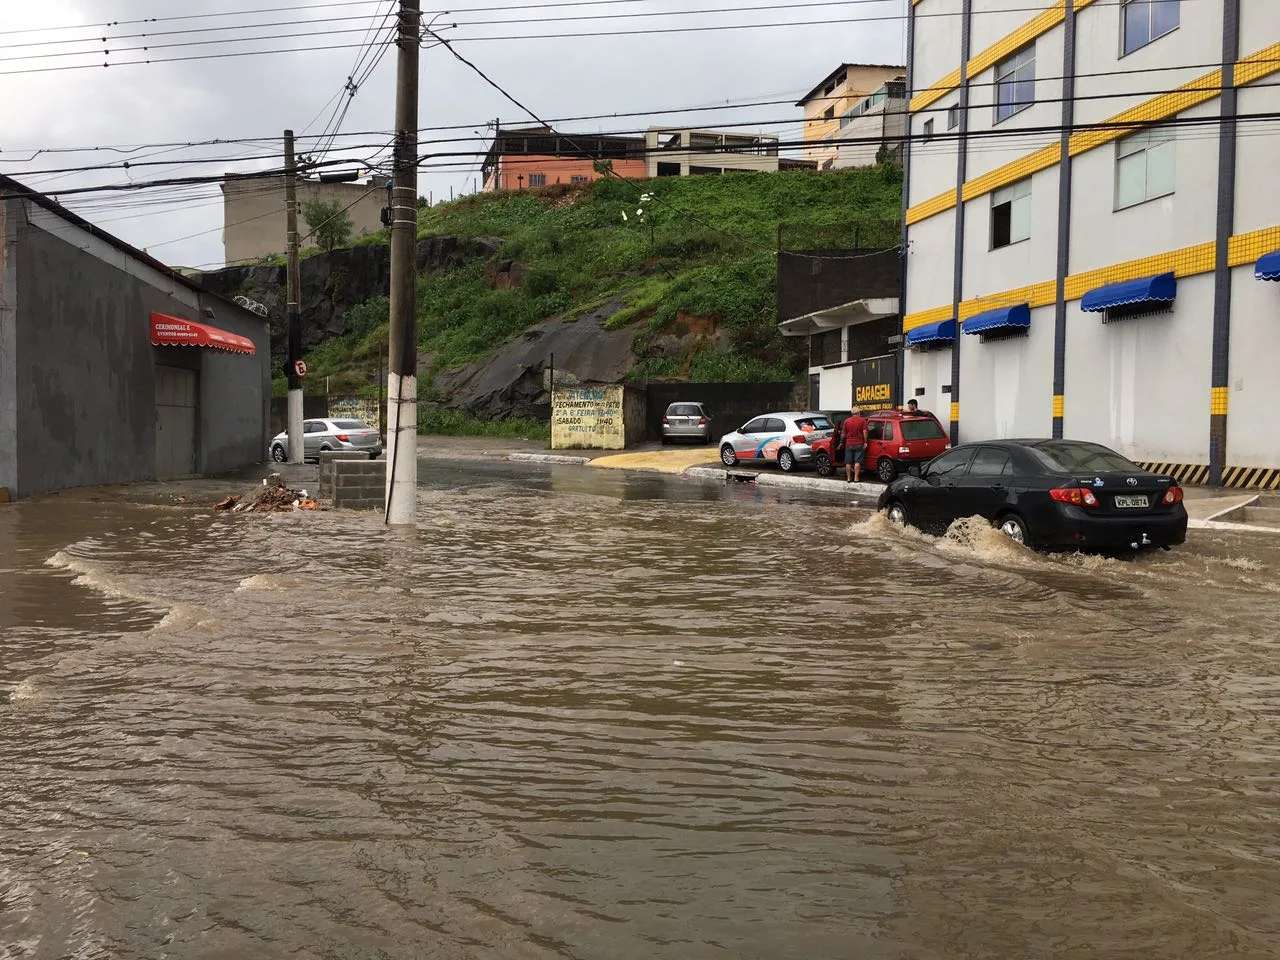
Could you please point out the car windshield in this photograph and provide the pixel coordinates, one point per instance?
(351, 425)
(684, 410)
(814, 423)
(921, 430)
(1069, 457)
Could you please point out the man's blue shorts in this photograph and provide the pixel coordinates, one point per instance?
(854, 455)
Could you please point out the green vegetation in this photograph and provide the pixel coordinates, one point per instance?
(329, 223)
(689, 261)
(441, 421)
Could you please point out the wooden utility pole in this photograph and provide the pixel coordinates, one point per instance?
(293, 305)
(402, 352)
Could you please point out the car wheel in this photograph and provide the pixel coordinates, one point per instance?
(278, 453)
(822, 463)
(727, 456)
(897, 514)
(1013, 527)
(786, 460)
(886, 470)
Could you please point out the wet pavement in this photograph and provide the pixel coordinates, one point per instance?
(585, 713)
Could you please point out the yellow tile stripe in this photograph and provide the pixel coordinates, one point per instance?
(1201, 258)
(1013, 42)
(1218, 401)
(1192, 94)
(1263, 478)
(1019, 169)
(931, 95)
(1201, 90)
(1029, 31)
(1190, 474)
(1257, 65)
(955, 413)
(1059, 405)
(931, 208)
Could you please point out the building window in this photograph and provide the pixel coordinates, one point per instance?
(1145, 166)
(927, 132)
(578, 179)
(1016, 83)
(1147, 20)
(829, 113)
(953, 117)
(1011, 214)
(537, 179)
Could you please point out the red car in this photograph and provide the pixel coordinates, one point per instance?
(896, 441)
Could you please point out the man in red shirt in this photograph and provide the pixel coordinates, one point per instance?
(853, 433)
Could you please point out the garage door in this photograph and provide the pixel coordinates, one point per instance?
(176, 393)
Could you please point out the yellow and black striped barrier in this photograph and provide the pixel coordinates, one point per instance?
(1235, 478)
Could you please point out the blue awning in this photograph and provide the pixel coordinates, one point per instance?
(1268, 267)
(932, 333)
(1006, 318)
(1158, 289)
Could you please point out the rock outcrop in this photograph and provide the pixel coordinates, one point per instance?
(333, 283)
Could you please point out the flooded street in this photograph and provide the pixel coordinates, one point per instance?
(582, 714)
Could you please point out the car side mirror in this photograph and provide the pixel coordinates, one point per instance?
(914, 471)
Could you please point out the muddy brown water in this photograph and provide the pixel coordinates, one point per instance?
(586, 717)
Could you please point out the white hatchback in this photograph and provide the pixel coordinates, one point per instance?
(782, 438)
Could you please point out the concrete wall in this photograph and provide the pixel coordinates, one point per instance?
(588, 417)
(514, 170)
(254, 219)
(859, 82)
(882, 127)
(9, 211)
(359, 484)
(1141, 385)
(730, 404)
(765, 159)
(86, 379)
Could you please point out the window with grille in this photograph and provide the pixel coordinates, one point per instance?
(537, 179)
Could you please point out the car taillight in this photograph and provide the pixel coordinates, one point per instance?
(1172, 496)
(799, 438)
(1076, 496)
(344, 437)
(702, 421)
(666, 421)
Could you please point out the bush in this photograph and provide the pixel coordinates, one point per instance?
(440, 421)
(329, 223)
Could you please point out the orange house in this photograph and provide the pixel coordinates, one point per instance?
(532, 157)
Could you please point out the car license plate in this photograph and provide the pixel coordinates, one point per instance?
(1133, 502)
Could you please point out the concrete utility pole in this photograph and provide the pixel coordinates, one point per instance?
(402, 354)
(293, 306)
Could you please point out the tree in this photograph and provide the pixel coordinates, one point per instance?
(329, 223)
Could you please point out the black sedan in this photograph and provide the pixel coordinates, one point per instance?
(1052, 494)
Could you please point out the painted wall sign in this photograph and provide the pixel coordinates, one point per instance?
(588, 418)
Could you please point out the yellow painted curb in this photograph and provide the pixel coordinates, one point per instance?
(662, 461)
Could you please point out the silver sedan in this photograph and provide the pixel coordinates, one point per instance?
(321, 435)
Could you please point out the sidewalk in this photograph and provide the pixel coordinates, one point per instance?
(702, 463)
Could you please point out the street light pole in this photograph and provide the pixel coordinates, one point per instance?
(293, 298)
(402, 349)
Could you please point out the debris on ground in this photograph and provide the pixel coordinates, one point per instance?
(272, 497)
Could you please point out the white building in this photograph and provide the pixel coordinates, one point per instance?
(873, 128)
(681, 152)
(1093, 211)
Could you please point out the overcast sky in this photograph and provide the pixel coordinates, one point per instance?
(258, 96)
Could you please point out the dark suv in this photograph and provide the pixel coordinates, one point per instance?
(896, 441)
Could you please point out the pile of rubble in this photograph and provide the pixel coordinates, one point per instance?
(273, 497)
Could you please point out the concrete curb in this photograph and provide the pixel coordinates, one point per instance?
(548, 458)
(1231, 511)
(1221, 526)
(788, 481)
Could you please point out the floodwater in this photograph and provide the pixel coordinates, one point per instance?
(580, 715)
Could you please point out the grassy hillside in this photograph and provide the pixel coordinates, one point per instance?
(699, 254)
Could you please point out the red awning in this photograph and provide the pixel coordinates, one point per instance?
(169, 331)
